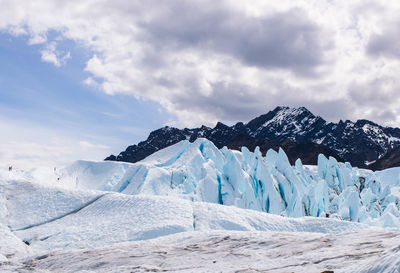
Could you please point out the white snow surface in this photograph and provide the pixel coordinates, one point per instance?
(50, 218)
(192, 204)
(229, 251)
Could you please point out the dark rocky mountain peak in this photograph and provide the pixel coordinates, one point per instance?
(362, 122)
(297, 124)
(221, 126)
(299, 131)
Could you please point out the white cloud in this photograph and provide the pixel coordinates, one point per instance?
(37, 39)
(92, 82)
(112, 115)
(229, 60)
(51, 55)
(89, 145)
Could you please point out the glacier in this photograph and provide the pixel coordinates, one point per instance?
(220, 210)
(201, 172)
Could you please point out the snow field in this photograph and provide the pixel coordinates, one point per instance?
(231, 251)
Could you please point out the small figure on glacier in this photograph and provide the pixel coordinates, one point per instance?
(9, 168)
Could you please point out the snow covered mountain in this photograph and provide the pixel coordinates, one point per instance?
(193, 198)
(360, 143)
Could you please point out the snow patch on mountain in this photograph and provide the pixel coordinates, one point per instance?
(290, 117)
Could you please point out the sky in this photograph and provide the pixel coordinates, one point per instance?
(84, 79)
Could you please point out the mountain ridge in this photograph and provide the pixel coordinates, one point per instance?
(359, 142)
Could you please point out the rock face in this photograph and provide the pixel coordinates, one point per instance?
(302, 134)
(389, 160)
(308, 151)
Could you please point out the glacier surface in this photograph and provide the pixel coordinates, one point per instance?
(205, 204)
(200, 172)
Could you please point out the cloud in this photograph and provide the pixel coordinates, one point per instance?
(384, 93)
(37, 39)
(53, 56)
(92, 82)
(205, 61)
(385, 44)
(384, 23)
(286, 40)
(87, 144)
(50, 57)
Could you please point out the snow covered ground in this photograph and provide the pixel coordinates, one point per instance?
(230, 251)
(194, 208)
(49, 218)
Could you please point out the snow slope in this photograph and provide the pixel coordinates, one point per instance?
(49, 218)
(200, 172)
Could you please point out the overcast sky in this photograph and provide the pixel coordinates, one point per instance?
(82, 79)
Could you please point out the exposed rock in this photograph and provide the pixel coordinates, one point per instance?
(302, 135)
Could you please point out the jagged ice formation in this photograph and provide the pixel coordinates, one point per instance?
(199, 171)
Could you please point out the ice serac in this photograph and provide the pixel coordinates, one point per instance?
(199, 171)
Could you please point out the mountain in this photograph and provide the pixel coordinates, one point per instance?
(359, 143)
(308, 151)
(389, 160)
